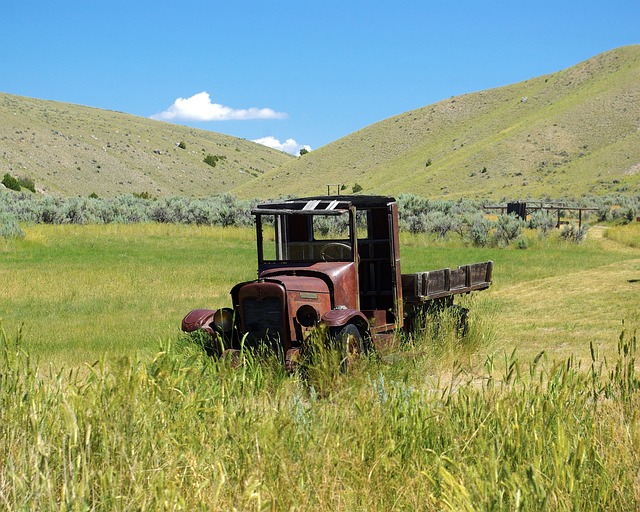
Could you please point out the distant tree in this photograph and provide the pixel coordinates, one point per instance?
(211, 160)
(303, 151)
(182, 145)
(356, 188)
(28, 183)
(11, 183)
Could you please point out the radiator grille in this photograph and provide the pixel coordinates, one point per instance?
(263, 320)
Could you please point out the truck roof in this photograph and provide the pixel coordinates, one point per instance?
(325, 203)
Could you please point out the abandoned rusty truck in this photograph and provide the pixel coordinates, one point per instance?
(330, 261)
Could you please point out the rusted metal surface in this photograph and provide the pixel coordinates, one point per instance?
(198, 318)
(262, 310)
(341, 317)
(340, 278)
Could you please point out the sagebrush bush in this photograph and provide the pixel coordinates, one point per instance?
(543, 221)
(224, 210)
(508, 229)
(9, 227)
(440, 223)
(572, 233)
(416, 214)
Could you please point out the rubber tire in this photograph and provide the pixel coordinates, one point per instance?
(348, 341)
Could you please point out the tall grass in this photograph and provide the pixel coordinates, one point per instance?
(184, 431)
(628, 234)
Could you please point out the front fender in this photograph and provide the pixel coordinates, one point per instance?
(340, 317)
(199, 319)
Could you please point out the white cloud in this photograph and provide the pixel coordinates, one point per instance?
(288, 146)
(200, 108)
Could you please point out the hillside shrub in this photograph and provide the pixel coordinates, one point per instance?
(211, 160)
(28, 183)
(11, 183)
(143, 195)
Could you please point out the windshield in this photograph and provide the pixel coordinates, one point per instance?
(298, 237)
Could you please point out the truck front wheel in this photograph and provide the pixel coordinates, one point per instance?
(348, 341)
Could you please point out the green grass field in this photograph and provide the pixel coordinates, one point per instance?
(80, 292)
(103, 405)
(84, 291)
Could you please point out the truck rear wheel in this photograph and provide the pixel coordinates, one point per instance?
(348, 341)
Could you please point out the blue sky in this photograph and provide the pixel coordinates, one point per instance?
(305, 72)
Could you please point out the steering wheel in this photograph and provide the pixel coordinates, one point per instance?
(334, 251)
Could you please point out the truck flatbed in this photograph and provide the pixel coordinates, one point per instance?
(422, 287)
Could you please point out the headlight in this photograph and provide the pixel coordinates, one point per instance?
(307, 316)
(223, 319)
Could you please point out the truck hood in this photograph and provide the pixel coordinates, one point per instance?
(341, 280)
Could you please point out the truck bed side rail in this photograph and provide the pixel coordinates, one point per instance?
(435, 284)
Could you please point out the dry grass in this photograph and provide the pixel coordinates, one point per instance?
(564, 314)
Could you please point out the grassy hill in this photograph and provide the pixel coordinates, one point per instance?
(75, 150)
(569, 133)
